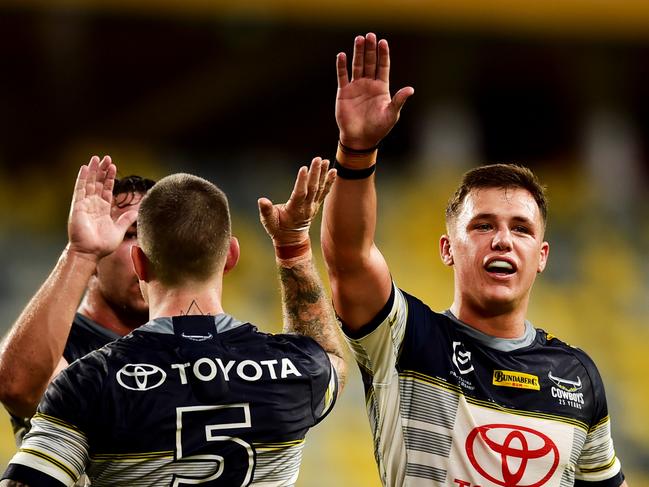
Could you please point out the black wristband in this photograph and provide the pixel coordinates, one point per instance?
(347, 173)
(349, 150)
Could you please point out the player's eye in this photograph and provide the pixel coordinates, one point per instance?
(482, 226)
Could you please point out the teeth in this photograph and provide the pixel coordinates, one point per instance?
(500, 264)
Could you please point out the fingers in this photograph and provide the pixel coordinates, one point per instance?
(329, 181)
(369, 69)
(341, 68)
(80, 185)
(93, 168)
(313, 184)
(301, 186)
(358, 60)
(107, 178)
(364, 62)
(383, 71)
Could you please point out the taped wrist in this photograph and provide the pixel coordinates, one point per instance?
(355, 163)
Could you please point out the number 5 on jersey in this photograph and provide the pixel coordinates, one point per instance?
(207, 457)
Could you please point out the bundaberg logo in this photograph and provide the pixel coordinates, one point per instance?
(519, 380)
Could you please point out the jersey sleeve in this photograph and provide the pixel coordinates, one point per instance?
(377, 345)
(324, 381)
(597, 464)
(55, 450)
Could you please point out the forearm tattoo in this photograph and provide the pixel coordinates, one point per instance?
(306, 307)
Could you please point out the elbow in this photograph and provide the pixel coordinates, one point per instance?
(18, 400)
(340, 366)
(341, 261)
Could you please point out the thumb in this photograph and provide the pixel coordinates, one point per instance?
(265, 208)
(125, 220)
(268, 216)
(400, 97)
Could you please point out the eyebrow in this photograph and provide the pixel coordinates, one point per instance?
(488, 216)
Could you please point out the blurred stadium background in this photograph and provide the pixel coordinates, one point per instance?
(243, 93)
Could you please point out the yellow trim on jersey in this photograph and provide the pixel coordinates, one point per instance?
(58, 422)
(602, 422)
(57, 463)
(599, 469)
(369, 396)
(282, 445)
(114, 457)
(435, 382)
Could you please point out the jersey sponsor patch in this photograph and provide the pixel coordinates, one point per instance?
(519, 380)
(141, 377)
(508, 450)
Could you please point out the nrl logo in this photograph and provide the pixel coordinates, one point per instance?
(462, 358)
(565, 384)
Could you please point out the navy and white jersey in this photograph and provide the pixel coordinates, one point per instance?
(181, 401)
(450, 406)
(85, 336)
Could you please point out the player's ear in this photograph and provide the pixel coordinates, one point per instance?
(445, 250)
(233, 255)
(543, 260)
(141, 264)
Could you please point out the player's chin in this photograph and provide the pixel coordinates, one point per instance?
(500, 299)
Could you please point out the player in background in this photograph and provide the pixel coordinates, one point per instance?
(195, 395)
(474, 395)
(40, 344)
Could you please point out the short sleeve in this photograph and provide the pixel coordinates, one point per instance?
(376, 348)
(55, 451)
(598, 464)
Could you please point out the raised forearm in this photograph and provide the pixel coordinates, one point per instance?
(349, 223)
(307, 310)
(33, 347)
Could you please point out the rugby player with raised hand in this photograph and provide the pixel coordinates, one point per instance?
(195, 396)
(101, 287)
(474, 395)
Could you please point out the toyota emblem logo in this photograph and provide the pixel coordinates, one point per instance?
(518, 448)
(141, 377)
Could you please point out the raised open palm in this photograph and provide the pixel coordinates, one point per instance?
(288, 223)
(365, 111)
(91, 228)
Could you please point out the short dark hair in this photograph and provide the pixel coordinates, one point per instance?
(131, 185)
(184, 228)
(498, 176)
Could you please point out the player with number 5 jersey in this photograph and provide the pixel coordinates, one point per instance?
(195, 396)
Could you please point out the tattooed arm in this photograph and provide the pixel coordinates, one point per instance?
(306, 307)
(307, 311)
(12, 483)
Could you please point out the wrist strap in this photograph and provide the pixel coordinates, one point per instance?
(290, 254)
(349, 150)
(348, 173)
(355, 163)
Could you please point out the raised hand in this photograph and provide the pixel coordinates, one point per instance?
(288, 223)
(92, 231)
(365, 112)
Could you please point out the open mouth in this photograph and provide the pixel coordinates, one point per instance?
(497, 266)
